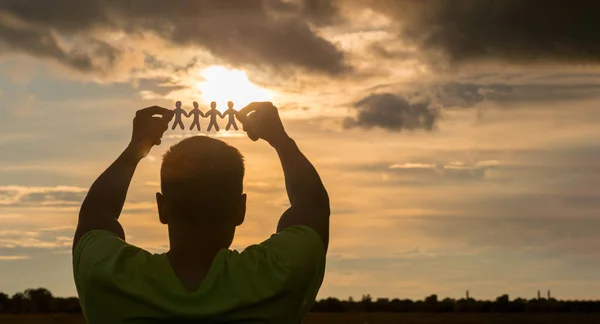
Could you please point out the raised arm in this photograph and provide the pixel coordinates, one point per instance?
(308, 198)
(104, 201)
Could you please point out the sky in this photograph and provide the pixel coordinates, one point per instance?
(458, 140)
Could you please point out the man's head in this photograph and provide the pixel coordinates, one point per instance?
(230, 104)
(178, 104)
(202, 187)
(195, 105)
(213, 105)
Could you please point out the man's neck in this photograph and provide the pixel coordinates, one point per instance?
(192, 258)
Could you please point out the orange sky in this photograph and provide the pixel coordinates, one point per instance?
(450, 165)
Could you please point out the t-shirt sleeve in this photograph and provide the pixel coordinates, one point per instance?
(96, 251)
(300, 249)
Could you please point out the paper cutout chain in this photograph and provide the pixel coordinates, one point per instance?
(212, 113)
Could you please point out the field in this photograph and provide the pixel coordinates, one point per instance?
(372, 318)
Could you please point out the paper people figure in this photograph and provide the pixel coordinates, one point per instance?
(178, 113)
(197, 113)
(213, 113)
(231, 113)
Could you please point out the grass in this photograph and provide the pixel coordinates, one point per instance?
(371, 318)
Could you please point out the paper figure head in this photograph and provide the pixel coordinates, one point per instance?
(213, 105)
(178, 104)
(230, 104)
(195, 104)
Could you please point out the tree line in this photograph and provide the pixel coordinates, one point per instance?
(41, 300)
(432, 304)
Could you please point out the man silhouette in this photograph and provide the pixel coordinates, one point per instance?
(178, 113)
(231, 113)
(197, 113)
(213, 113)
(199, 280)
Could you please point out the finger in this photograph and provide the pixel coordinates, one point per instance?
(253, 136)
(250, 129)
(167, 117)
(154, 110)
(156, 128)
(158, 123)
(242, 115)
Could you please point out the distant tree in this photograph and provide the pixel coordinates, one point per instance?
(501, 304)
(431, 303)
(518, 305)
(431, 299)
(366, 303)
(447, 305)
(41, 300)
(466, 305)
(18, 304)
(484, 306)
(334, 305)
(67, 305)
(381, 305)
(4, 303)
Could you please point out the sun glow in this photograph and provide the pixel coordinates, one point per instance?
(221, 85)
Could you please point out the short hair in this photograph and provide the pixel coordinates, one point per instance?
(202, 175)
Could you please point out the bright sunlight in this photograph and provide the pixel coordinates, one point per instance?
(221, 85)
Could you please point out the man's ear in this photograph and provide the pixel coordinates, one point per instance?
(241, 212)
(162, 212)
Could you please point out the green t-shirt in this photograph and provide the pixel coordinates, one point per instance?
(275, 281)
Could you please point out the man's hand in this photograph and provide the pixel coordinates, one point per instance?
(261, 120)
(148, 129)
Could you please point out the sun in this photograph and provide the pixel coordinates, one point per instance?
(221, 85)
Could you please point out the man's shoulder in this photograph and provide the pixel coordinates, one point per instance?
(103, 248)
(295, 247)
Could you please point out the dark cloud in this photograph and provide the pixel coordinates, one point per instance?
(321, 12)
(393, 112)
(468, 94)
(88, 56)
(461, 94)
(507, 30)
(266, 32)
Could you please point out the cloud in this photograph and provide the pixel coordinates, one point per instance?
(43, 238)
(13, 257)
(87, 55)
(321, 12)
(393, 112)
(397, 111)
(412, 166)
(262, 33)
(469, 94)
(511, 30)
(452, 170)
(60, 196)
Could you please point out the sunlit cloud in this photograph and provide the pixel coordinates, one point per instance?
(13, 257)
(42, 239)
(412, 166)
